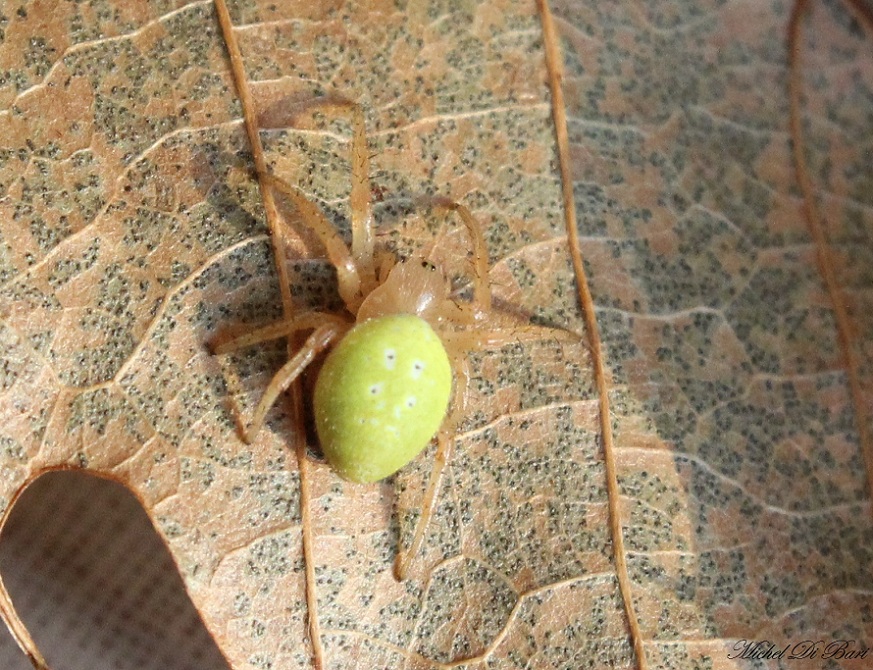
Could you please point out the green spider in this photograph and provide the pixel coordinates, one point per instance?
(396, 374)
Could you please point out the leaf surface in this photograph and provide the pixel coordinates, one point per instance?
(132, 234)
(740, 440)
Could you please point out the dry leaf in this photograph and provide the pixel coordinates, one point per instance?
(133, 233)
(747, 513)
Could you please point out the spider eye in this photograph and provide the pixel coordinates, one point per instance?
(427, 265)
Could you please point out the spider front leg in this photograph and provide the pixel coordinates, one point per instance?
(348, 275)
(481, 302)
(356, 268)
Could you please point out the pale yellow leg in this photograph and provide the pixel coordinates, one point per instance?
(481, 339)
(481, 302)
(445, 442)
(338, 253)
(405, 558)
(360, 204)
(274, 331)
(318, 341)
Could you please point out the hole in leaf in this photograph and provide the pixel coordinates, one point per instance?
(94, 584)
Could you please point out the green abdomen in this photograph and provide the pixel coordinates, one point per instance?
(381, 396)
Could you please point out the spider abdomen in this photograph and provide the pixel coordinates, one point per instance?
(381, 396)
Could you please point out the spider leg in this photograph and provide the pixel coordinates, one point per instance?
(384, 261)
(457, 345)
(274, 331)
(481, 302)
(405, 558)
(348, 275)
(481, 339)
(359, 202)
(445, 442)
(461, 368)
(321, 338)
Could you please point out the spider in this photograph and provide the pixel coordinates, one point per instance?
(396, 374)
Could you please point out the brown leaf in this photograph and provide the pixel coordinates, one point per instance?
(132, 234)
(741, 416)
